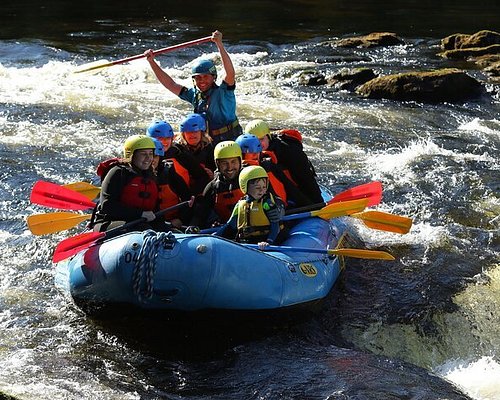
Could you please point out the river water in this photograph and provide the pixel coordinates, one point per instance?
(422, 327)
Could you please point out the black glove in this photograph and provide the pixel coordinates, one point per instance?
(275, 214)
(192, 229)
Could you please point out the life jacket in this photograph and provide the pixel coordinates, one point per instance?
(225, 201)
(168, 198)
(226, 196)
(252, 220)
(181, 171)
(140, 192)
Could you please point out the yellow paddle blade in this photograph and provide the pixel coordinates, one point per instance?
(362, 253)
(88, 190)
(93, 66)
(340, 209)
(42, 224)
(385, 221)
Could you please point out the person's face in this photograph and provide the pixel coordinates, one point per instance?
(203, 81)
(264, 142)
(257, 188)
(229, 167)
(166, 142)
(192, 138)
(156, 161)
(142, 158)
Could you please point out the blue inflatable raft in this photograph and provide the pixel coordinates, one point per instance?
(149, 271)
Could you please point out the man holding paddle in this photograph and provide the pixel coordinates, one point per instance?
(217, 103)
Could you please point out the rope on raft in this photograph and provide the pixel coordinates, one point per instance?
(145, 266)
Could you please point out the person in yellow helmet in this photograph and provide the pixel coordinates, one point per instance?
(285, 147)
(215, 205)
(256, 217)
(129, 190)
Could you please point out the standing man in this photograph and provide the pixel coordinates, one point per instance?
(217, 103)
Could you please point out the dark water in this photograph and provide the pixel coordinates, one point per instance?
(400, 330)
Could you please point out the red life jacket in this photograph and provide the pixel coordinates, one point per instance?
(225, 202)
(181, 171)
(140, 192)
(168, 198)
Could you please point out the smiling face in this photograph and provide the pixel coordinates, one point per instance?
(166, 142)
(142, 159)
(257, 188)
(203, 81)
(229, 167)
(192, 138)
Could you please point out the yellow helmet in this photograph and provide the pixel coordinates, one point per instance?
(258, 128)
(137, 142)
(227, 149)
(249, 173)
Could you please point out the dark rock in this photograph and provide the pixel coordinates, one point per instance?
(461, 54)
(430, 87)
(462, 46)
(454, 41)
(374, 39)
(493, 69)
(349, 79)
(311, 78)
(483, 38)
(486, 60)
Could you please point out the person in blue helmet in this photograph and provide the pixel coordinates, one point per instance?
(185, 163)
(217, 103)
(195, 139)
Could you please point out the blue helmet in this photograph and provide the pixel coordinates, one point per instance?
(204, 67)
(159, 150)
(249, 143)
(160, 129)
(193, 122)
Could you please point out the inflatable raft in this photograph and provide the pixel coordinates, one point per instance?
(150, 271)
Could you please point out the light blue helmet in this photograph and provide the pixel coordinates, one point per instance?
(193, 122)
(204, 67)
(160, 129)
(249, 143)
(159, 150)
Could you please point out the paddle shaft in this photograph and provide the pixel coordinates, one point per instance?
(155, 52)
(355, 253)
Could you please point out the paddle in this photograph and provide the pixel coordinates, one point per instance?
(332, 210)
(371, 191)
(104, 64)
(88, 190)
(42, 224)
(71, 246)
(385, 221)
(355, 253)
(55, 196)
(328, 212)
